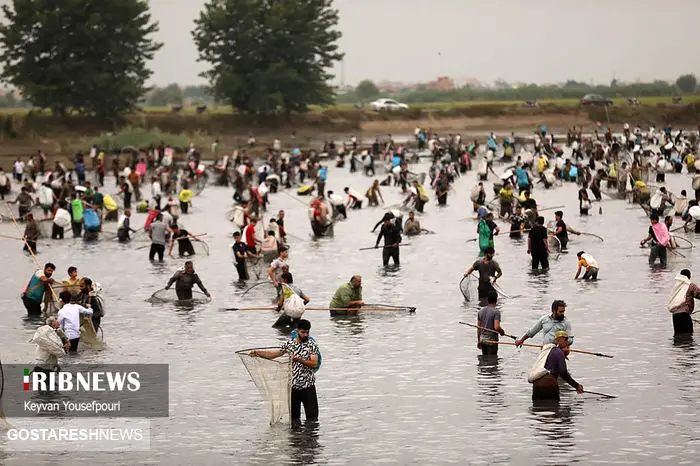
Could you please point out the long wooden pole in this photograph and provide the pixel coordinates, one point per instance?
(21, 239)
(410, 309)
(389, 246)
(489, 330)
(540, 346)
(29, 248)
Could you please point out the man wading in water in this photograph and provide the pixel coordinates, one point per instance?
(392, 238)
(348, 295)
(547, 387)
(550, 325)
(682, 303)
(182, 238)
(240, 253)
(562, 231)
(304, 353)
(538, 246)
(659, 237)
(487, 268)
(489, 318)
(184, 282)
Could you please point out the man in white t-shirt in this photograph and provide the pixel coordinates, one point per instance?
(69, 319)
(61, 221)
(156, 191)
(338, 205)
(19, 169)
(278, 267)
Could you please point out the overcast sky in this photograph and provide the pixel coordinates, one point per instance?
(534, 41)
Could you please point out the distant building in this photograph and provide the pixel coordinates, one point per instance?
(469, 82)
(393, 87)
(442, 83)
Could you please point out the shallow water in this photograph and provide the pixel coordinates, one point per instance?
(395, 387)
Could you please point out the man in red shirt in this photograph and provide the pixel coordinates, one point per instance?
(249, 234)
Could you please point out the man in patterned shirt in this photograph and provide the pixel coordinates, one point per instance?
(304, 354)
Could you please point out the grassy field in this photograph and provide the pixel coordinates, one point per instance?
(225, 109)
(448, 105)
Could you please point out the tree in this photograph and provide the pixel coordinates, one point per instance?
(687, 83)
(84, 55)
(366, 90)
(168, 95)
(198, 93)
(267, 55)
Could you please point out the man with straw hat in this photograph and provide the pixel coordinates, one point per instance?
(547, 387)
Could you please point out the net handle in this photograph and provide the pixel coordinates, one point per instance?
(243, 351)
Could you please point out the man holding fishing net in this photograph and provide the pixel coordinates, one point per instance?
(489, 272)
(304, 353)
(183, 239)
(184, 282)
(347, 296)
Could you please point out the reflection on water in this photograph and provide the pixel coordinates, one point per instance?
(394, 386)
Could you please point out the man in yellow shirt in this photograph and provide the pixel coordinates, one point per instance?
(185, 198)
(586, 261)
(72, 283)
(421, 196)
(506, 197)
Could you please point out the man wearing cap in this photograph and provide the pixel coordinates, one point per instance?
(550, 325)
(547, 387)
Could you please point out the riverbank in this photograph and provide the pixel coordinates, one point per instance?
(23, 133)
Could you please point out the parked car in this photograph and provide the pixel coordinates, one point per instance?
(595, 99)
(387, 104)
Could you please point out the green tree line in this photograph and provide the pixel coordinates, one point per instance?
(262, 57)
(367, 91)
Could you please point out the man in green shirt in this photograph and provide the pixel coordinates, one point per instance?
(348, 295)
(76, 207)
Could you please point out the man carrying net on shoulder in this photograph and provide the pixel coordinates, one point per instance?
(304, 353)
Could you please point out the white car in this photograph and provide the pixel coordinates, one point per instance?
(387, 104)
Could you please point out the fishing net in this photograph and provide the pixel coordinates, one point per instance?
(464, 287)
(200, 184)
(88, 335)
(554, 246)
(170, 296)
(681, 243)
(273, 377)
(201, 248)
(45, 228)
(257, 267)
(258, 286)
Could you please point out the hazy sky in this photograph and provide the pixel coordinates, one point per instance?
(517, 40)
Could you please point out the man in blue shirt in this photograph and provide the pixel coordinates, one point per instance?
(321, 181)
(550, 325)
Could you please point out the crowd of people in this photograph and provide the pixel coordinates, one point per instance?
(617, 166)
